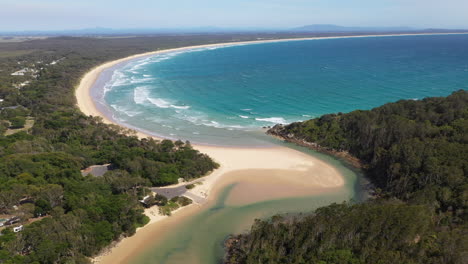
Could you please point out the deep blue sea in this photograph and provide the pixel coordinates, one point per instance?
(224, 96)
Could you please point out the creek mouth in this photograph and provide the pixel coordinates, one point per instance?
(197, 237)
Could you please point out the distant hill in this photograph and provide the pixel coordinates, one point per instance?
(111, 31)
(335, 28)
(133, 31)
(318, 28)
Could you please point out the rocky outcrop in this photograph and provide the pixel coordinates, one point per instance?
(281, 132)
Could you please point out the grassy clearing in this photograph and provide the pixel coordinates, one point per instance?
(174, 204)
(29, 124)
(168, 208)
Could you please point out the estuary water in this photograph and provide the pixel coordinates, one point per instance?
(224, 95)
(198, 238)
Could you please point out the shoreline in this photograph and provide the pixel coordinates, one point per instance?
(88, 106)
(295, 167)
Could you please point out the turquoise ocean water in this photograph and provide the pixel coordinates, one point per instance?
(224, 96)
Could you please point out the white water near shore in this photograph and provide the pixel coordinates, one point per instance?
(293, 169)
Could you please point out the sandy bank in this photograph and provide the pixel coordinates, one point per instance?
(261, 173)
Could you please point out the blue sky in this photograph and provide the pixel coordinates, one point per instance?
(77, 14)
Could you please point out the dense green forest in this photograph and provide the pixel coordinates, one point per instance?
(67, 217)
(45, 141)
(416, 154)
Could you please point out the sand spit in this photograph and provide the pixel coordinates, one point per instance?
(260, 173)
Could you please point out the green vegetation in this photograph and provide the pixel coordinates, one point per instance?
(17, 122)
(5, 54)
(374, 232)
(74, 217)
(190, 186)
(168, 208)
(174, 204)
(416, 154)
(181, 200)
(413, 150)
(68, 218)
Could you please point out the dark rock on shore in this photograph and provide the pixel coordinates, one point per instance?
(280, 131)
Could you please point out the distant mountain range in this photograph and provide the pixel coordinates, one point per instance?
(317, 28)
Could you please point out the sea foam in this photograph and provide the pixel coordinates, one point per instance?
(124, 110)
(118, 79)
(276, 120)
(161, 103)
(141, 95)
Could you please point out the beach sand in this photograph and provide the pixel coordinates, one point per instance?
(261, 173)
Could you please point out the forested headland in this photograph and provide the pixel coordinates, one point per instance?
(416, 155)
(45, 141)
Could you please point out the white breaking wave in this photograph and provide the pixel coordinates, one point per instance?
(126, 111)
(141, 95)
(134, 80)
(138, 65)
(180, 106)
(276, 120)
(161, 103)
(118, 79)
(245, 117)
(200, 119)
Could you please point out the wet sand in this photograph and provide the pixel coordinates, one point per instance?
(260, 174)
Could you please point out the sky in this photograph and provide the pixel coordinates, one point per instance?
(17, 15)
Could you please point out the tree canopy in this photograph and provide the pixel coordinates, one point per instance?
(416, 154)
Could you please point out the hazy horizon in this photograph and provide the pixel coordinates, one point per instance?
(53, 15)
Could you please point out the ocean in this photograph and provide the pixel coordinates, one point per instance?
(226, 95)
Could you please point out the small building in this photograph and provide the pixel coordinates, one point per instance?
(23, 72)
(21, 85)
(18, 229)
(20, 72)
(144, 201)
(13, 220)
(56, 61)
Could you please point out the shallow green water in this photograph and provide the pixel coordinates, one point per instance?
(199, 238)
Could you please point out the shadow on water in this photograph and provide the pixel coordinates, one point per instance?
(221, 201)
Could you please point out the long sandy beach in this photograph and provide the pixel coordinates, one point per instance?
(261, 173)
